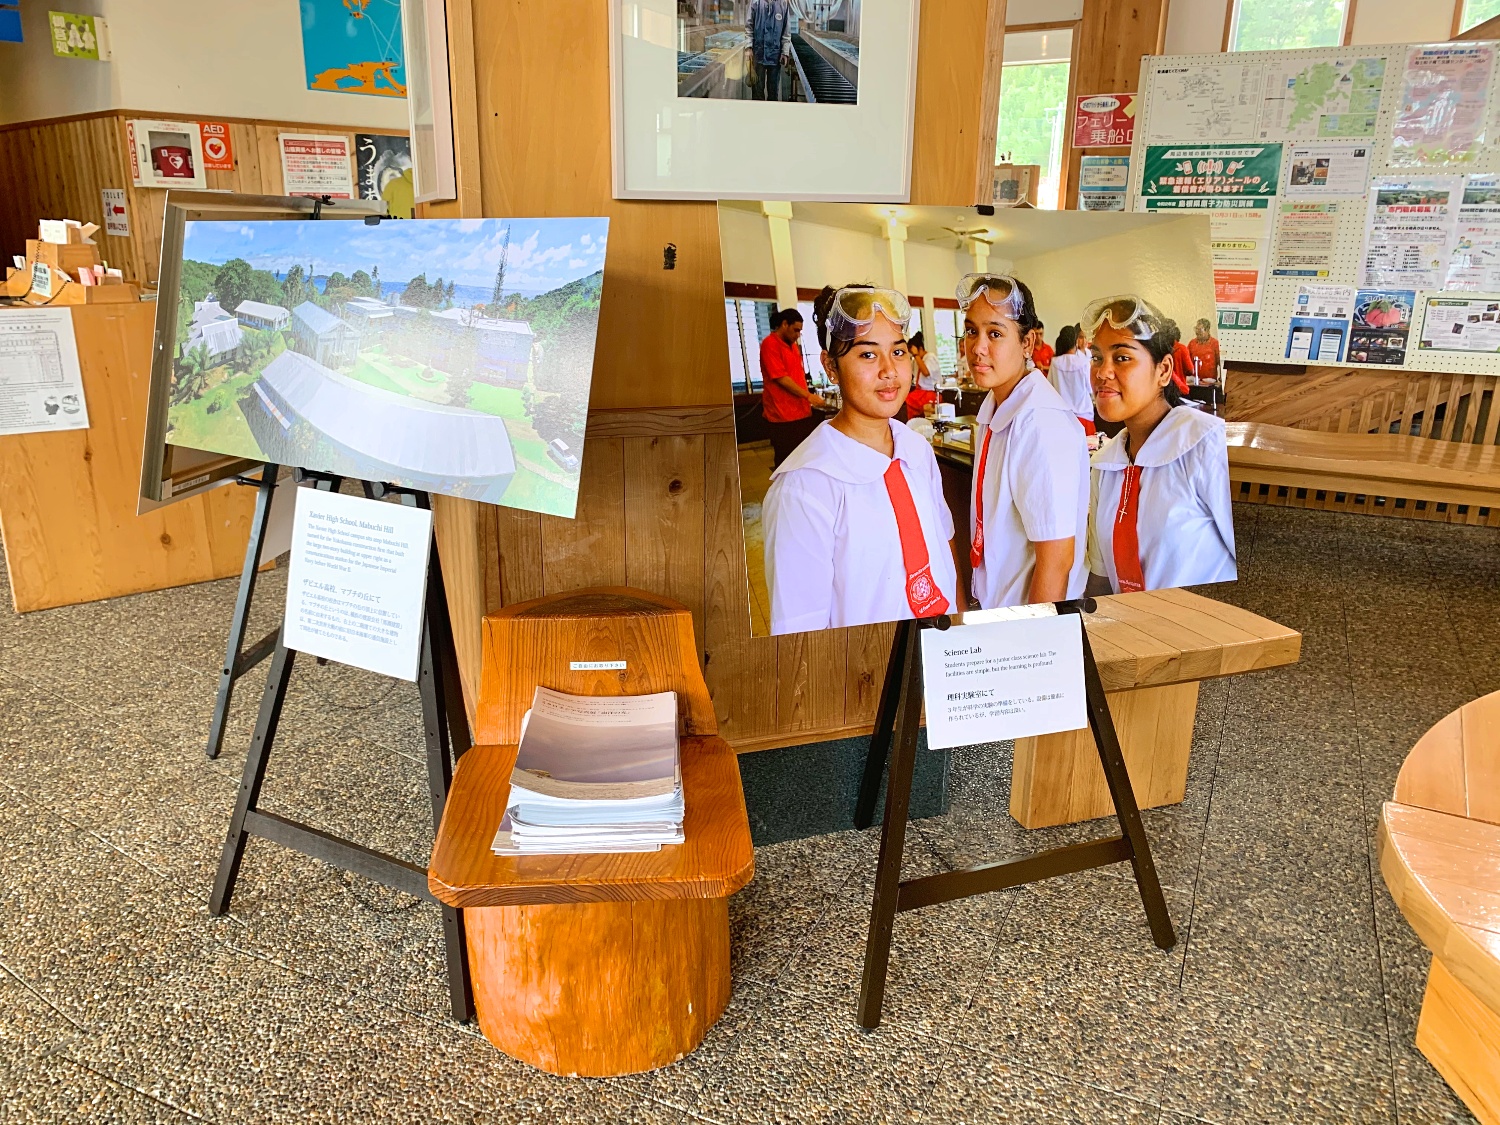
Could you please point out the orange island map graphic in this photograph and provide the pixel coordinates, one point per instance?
(353, 47)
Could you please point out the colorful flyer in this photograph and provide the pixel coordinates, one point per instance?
(353, 47)
(316, 164)
(1409, 231)
(218, 149)
(1382, 324)
(1322, 98)
(1305, 240)
(1475, 262)
(385, 171)
(1444, 103)
(1461, 324)
(1319, 330)
(1103, 120)
(76, 36)
(1217, 171)
(1324, 168)
(1102, 182)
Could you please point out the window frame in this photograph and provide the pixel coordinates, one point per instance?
(1346, 29)
(1066, 156)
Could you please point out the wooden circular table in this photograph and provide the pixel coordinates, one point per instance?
(599, 964)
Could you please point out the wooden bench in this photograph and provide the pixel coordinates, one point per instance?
(1152, 649)
(1440, 855)
(1391, 465)
(595, 964)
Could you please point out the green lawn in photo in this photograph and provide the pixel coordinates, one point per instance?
(540, 483)
(401, 376)
(502, 401)
(214, 421)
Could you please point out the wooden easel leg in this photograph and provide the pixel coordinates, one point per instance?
(906, 659)
(237, 663)
(271, 702)
(885, 725)
(1120, 790)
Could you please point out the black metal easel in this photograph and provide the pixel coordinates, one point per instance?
(237, 659)
(896, 723)
(446, 730)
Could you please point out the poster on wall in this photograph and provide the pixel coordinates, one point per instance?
(218, 149)
(116, 218)
(1382, 324)
(453, 356)
(77, 36)
(858, 454)
(316, 164)
(1461, 324)
(1306, 238)
(1475, 262)
(1409, 231)
(1102, 182)
(1327, 169)
(385, 171)
(1103, 120)
(1322, 98)
(10, 21)
(1444, 104)
(41, 383)
(1319, 329)
(1204, 100)
(353, 47)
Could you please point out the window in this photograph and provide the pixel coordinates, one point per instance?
(1033, 105)
(950, 329)
(1475, 12)
(749, 323)
(1283, 25)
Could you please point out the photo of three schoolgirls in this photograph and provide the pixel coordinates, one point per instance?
(862, 521)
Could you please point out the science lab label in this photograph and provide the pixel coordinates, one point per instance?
(1003, 679)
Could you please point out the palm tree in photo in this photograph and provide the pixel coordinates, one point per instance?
(192, 374)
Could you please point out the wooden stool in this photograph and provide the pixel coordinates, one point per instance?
(595, 964)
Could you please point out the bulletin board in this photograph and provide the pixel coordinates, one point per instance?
(1354, 194)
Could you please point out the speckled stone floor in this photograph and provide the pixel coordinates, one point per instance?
(1292, 995)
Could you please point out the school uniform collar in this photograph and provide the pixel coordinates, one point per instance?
(1032, 392)
(841, 457)
(1182, 428)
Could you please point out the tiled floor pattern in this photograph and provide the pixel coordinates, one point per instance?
(1290, 997)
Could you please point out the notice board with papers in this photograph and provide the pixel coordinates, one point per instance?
(1353, 192)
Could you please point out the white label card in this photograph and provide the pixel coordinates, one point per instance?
(1003, 679)
(357, 581)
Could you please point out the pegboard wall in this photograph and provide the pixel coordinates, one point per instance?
(1240, 98)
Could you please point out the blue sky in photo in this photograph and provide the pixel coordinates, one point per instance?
(543, 255)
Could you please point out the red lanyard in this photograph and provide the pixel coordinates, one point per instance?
(1127, 543)
(922, 593)
(976, 545)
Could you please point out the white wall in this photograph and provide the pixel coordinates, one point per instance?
(1196, 27)
(1165, 261)
(182, 58)
(1045, 11)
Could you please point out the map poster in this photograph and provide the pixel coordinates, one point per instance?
(41, 384)
(1102, 120)
(1461, 324)
(1321, 168)
(1221, 171)
(385, 171)
(1305, 240)
(1409, 232)
(1202, 101)
(1443, 106)
(316, 164)
(1475, 262)
(1329, 98)
(353, 47)
(1382, 324)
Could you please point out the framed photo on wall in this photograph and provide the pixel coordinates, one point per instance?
(763, 99)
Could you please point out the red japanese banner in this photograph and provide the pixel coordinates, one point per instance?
(1103, 120)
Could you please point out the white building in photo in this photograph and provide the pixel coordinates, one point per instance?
(213, 328)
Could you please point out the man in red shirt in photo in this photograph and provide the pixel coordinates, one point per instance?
(1203, 349)
(785, 399)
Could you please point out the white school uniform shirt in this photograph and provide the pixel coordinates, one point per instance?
(833, 553)
(1036, 487)
(1184, 524)
(1072, 376)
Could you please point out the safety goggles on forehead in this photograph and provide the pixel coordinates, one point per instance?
(1126, 313)
(854, 310)
(1002, 292)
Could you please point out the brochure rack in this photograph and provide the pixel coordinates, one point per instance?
(445, 725)
(895, 738)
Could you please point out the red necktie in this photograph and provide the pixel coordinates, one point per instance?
(922, 593)
(1127, 543)
(976, 545)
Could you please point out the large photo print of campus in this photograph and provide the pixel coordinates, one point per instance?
(453, 356)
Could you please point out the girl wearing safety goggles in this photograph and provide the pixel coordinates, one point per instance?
(1160, 508)
(856, 528)
(1031, 480)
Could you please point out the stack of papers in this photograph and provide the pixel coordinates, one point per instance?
(594, 774)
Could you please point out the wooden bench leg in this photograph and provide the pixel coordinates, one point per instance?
(599, 988)
(1057, 779)
(1461, 1038)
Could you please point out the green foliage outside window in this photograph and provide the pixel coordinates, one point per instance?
(1477, 11)
(1284, 25)
(1031, 97)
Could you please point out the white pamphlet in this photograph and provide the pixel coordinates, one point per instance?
(357, 581)
(41, 384)
(1003, 679)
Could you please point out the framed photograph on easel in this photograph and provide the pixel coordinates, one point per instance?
(763, 99)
